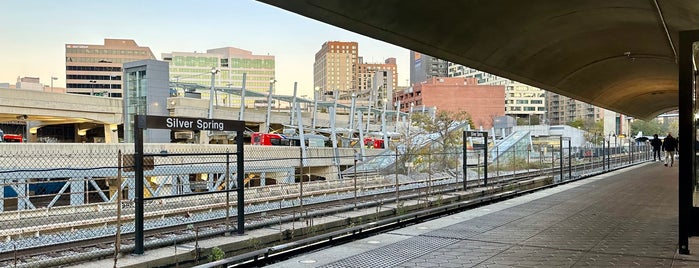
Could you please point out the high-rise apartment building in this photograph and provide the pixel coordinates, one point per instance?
(338, 68)
(423, 67)
(379, 79)
(231, 63)
(521, 101)
(335, 68)
(97, 69)
(563, 110)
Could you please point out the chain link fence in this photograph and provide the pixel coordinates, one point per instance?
(63, 203)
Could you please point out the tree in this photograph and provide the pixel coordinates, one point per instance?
(447, 141)
(577, 123)
(593, 129)
(648, 127)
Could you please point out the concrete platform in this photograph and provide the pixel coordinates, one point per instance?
(620, 219)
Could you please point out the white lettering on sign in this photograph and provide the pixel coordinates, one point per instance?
(475, 134)
(200, 124)
(177, 123)
(207, 125)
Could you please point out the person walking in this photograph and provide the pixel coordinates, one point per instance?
(669, 146)
(656, 143)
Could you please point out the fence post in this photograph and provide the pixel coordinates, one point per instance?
(478, 166)
(301, 180)
(485, 158)
(570, 160)
(560, 152)
(228, 188)
(240, 170)
(514, 161)
(609, 155)
(497, 160)
(138, 199)
(396, 172)
(465, 158)
(356, 158)
(630, 153)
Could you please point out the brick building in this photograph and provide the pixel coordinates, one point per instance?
(482, 102)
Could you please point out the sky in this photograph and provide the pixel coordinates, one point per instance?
(33, 34)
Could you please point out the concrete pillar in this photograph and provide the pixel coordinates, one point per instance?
(32, 137)
(111, 133)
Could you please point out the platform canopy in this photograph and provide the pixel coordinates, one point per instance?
(616, 54)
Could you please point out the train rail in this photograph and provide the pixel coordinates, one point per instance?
(197, 221)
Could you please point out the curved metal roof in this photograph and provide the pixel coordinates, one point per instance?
(616, 54)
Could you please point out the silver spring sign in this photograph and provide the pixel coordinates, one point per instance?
(170, 122)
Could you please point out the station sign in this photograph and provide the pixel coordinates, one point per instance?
(476, 134)
(205, 124)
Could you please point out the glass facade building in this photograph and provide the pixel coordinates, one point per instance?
(231, 63)
(146, 90)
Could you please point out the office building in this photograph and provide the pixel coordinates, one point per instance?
(423, 67)
(97, 69)
(229, 63)
(483, 103)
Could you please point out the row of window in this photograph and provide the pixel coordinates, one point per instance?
(252, 63)
(93, 68)
(106, 51)
(526, 95)
(224, 72)
(524, 102)
(99, 60)
(94, 77)
(213, 62)
(101, 93)
(92, 85)
(527, 109)
(195, 61)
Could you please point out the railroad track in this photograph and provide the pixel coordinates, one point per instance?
(376, 193)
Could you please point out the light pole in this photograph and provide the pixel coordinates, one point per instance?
(242, 99)
(92, 87)
(269, 105)
(212, 92)
(397, 116)
(52, 79)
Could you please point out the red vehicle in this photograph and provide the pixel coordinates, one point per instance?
(374, 143)
(258, 138)
(12, 138)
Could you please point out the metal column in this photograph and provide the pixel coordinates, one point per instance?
(687, 211)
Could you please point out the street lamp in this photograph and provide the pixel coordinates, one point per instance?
(269, 104)
(212, 92)
(92, 87)
(52, 79)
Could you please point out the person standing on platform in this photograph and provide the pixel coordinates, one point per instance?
(656, 143)
(669, 146)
